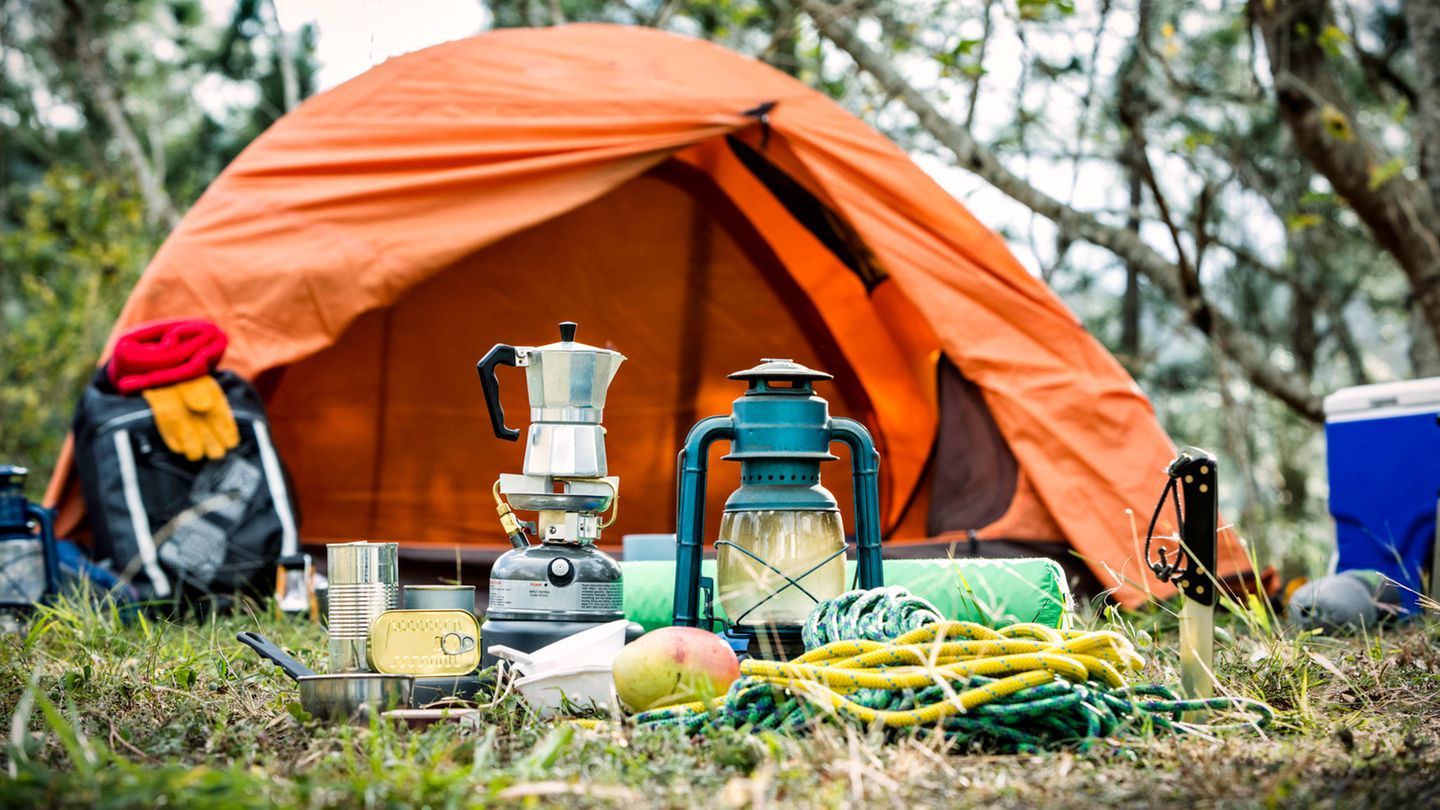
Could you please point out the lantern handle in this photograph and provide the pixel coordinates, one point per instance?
(44, 519)
(690, 514)
(865, 470)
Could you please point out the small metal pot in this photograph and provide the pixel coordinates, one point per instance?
(336, 697)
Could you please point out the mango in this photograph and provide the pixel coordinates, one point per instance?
(674, 665)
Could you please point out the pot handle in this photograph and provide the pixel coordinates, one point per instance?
(501, 354)
(271, 651)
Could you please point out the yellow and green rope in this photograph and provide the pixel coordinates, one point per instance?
(1022, 687)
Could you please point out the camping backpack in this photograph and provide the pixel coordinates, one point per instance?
(180, 529)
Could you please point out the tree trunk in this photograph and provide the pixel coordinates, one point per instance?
(91, 61)
(1235, 427)
(1132, 81)
(1304, 301)
(1349, 347)
(1423, 19)
(1424, 350)
(1400, 212)
(285, 60)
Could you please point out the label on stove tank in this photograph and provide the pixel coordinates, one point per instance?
(539, 594)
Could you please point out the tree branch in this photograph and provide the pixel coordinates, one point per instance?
(1188, 89)
(1378, 68)
(1232, 339)
(662, 14)
(1247, 257)
(1190, 287)
(779, 52)
(975, 80)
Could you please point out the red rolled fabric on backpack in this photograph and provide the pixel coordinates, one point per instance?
(165, 353)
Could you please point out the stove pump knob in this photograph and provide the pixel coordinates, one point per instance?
(561, 571)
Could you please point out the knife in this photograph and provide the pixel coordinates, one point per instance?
(1196, 474)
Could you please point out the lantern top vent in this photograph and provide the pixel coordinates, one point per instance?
(780, 370)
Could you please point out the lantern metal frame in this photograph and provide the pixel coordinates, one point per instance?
(780, 431)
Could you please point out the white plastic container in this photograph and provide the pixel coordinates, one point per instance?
(579, 669)
(582, 686)
(595, 647)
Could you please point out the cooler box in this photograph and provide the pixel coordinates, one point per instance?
(1383, 454)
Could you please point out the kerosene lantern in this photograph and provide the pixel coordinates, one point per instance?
(28, 557)
(782, 547)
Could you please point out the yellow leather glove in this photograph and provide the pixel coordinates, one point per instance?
(204, 398)
(194, 418)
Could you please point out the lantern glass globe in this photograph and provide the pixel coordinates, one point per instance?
(792, 542)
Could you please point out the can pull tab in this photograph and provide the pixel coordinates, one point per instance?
(453, 643)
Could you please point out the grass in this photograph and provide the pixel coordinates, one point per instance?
(104, 714)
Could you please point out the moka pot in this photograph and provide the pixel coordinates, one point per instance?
(567, 382)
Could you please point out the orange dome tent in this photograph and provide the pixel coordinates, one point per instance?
(691, 208)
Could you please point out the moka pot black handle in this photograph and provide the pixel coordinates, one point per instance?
(501, 354)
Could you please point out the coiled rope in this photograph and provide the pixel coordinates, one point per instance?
(1024, 687)
(878, 615)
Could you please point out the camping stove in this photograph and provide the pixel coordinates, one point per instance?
(543, 593)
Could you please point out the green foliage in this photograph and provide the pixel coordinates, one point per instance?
(1382, 174)
(961, 59)
(65, 269)
(1032, 10)
(1332, 39)
(74, 234)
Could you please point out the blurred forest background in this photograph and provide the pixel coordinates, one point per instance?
(1236, 197)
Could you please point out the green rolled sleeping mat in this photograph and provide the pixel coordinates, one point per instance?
(994, 593)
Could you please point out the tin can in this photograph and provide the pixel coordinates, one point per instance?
(425, 642)
(440, 597)
(364, 582)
